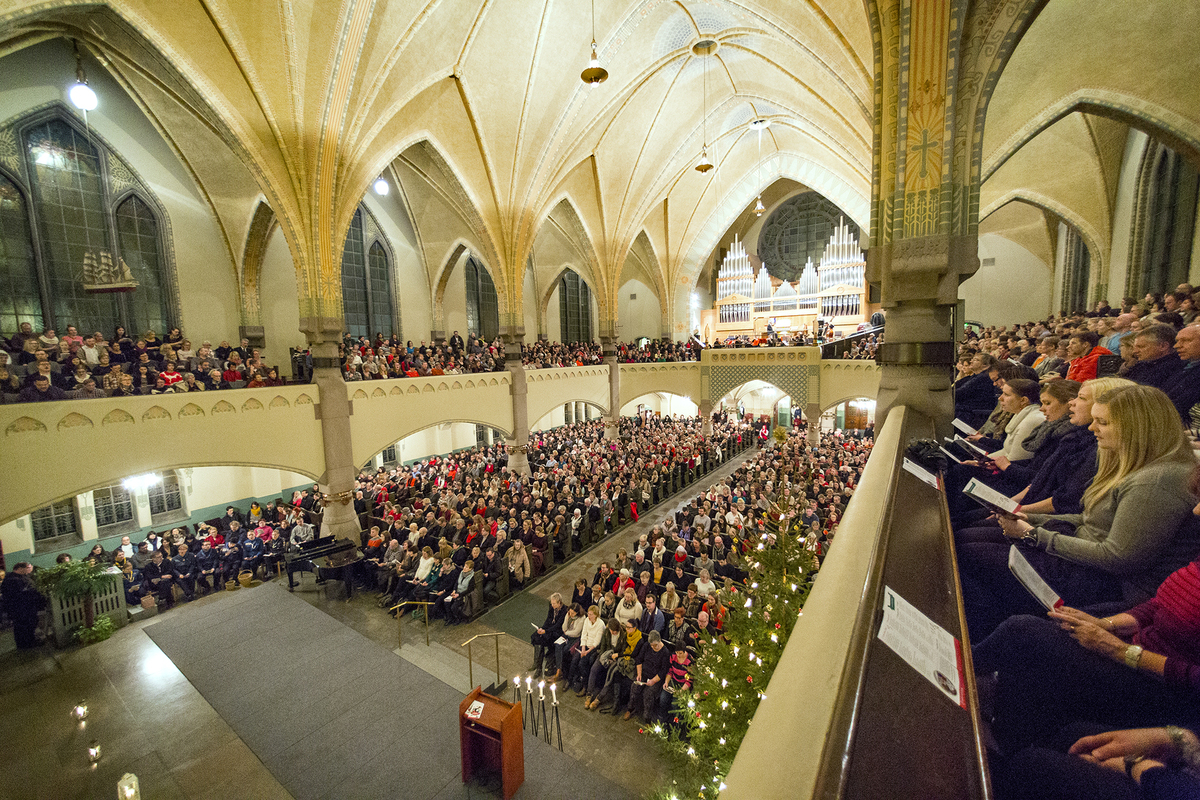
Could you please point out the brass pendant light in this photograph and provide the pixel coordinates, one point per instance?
(704, 164)
(595, 74)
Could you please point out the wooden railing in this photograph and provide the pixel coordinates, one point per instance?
(849, 716)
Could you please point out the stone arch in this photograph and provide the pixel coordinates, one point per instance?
(1090, 235)
(534, 424)
(642, 249)
(1158, 122)
(376, 447)
(262, 225)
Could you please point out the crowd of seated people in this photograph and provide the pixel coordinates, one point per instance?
(657, 351)
(466, 506)
(211, 555)
(364, 359)
(1098, 698)
(864, 348)
(35, 368)
(626, 638)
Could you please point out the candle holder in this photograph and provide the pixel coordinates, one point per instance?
(533, 719)
(556, 723)
(544, 723)
(93, 752)
(128, 787)
(80, 711)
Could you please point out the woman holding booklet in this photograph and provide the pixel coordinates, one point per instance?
(1074, 674)
(1136, 527)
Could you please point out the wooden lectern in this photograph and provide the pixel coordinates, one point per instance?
(494, 742)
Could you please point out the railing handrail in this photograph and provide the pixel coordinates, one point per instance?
(410, 603)
(480, 636)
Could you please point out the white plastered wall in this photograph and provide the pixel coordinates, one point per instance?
(989, 293)
(280, 313)
(661, 402)
(454, 302)
(640, 317)
(38, 75)
(206, 492)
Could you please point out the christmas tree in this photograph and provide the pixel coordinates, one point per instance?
(730, 674)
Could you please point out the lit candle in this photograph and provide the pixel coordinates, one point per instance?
(529, 684)
(554, 693)
(80, 711)
(541, 690)
(517, 682)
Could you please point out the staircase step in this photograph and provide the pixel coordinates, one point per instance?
(445, 665)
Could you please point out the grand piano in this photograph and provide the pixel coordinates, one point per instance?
(327, 557)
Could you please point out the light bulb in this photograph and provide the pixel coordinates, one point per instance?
(595, 74)
(82, 96)
(381, 187)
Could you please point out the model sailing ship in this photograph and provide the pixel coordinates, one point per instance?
(104, 276)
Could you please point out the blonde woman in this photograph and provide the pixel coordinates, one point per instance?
(1136, 527)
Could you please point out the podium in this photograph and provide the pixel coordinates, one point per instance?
(494, 742)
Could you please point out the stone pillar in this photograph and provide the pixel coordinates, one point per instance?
(917, 359)
(334, 409)
(518, 445)
(612, 420)
(579, 415)
(568, 413)
(706, 412)
(812, 413)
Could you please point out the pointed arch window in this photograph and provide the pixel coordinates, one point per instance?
(75, 250)
(19, 299)
(575, 308)
(483, 306)
(1170, 223)
(367, 305)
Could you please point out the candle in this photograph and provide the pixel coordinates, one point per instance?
(529, 684)
(517, 682)
(554, 692)
(541, 690)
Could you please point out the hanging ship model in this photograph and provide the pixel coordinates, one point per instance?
(105, 276)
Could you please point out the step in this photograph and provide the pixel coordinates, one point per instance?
(446, 665)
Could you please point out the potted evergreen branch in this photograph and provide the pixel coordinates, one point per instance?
(79, 580)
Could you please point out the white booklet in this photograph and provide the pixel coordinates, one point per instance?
(928, 648)
(1024, 572)
(964, 427)
(989, 498)
(922, 473)
(953, 457)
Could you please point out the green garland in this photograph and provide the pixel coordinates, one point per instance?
(732, 671)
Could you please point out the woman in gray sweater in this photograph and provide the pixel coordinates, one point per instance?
(1136, 527)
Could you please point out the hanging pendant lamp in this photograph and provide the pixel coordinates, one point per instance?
(595, 74)
(82, 96)
(759, 209)
(704, 164)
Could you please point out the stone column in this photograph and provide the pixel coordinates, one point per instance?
(812, 413)
(612, 420)
(334, 409)
(706, 412)
(518, 445)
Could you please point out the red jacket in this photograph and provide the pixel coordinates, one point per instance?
(1084, 368)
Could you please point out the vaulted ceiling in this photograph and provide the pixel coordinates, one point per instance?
(483, 98)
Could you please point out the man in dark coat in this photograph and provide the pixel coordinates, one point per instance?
(22, 601)
(543, 638)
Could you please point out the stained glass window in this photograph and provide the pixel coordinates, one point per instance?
(367, 303)
(19, 297)
(575, 308)
(61, 239)
(483, 306)
(797, 231)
